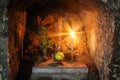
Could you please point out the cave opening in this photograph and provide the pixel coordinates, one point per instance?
(91, 20)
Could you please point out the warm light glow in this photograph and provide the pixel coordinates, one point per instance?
(72, 34)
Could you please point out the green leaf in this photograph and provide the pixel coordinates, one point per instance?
(46, 41)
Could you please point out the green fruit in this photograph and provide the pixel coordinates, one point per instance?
(59, 56)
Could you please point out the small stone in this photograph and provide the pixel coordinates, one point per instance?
(1, 67)
(116, 65)
(105, 1)
(118, 78)
(115, 75)
(1, 52)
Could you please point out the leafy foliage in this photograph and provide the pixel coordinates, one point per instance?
(45, 41)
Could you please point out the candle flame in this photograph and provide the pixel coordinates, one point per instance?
(72, 34)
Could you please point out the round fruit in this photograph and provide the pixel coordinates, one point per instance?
(59, 56)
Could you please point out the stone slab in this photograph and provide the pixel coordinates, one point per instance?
(69, 70)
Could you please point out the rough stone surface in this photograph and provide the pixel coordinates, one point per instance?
(105, 48)
(114, 66)
(69, 70)
(100, 28)
(115, 62)
(101, 48)
(3, 44)
(17, 23)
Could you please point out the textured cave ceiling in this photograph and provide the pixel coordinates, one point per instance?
(27, 3)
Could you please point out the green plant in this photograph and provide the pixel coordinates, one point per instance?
(45, 41)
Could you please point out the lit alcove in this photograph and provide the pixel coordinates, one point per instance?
(56, 20)
(33, 22)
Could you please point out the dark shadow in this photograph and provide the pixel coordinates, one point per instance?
(25, 70)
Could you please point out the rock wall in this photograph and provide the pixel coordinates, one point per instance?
(113, 67)
(103, 39)
(4, 70)
(102, 30)
(17, 24)
(4, 66)
(115, 62)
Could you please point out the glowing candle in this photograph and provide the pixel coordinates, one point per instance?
(72, 44)
(73, 36)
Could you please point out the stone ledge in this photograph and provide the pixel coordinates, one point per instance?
(59, 70)
(60, 76)
(72, 72)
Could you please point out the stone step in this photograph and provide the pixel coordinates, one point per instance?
(62, 72)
